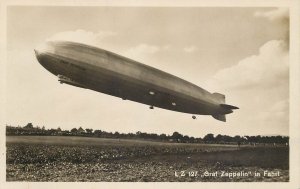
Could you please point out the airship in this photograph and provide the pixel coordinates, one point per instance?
(103, 71)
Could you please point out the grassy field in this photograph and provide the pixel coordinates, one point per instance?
(56, 158)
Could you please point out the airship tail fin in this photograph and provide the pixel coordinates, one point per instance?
(220, 117)
(219, 98)
(229, 109)
(229, 106)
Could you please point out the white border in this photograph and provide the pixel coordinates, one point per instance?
(294, 126)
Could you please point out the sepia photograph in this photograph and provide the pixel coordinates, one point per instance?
(147, 94)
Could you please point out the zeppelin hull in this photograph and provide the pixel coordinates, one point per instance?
(108, 73)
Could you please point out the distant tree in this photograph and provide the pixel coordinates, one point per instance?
(138, 133)
(209, 137)
(199, 140)
(116, 134)
(29, 129)
(89, 131)
(28, 126)
(162, 136)
(250, 139)
(152, 136)
(219, 138)
(227, 138)
(52, 132)
(74, 131)
(80, 130)
(177, 136)
(186, 138)
(97, 133)
(237, 138)
(258, 139)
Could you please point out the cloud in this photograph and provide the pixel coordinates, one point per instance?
(277, 111)
(279, 16)
(139, 52)
(259, 85)
(280, 107)
(82, 36)
(274, 15)
(268, 68)
(166, 47)
(278, 114)
(143, 50)
(190, 49)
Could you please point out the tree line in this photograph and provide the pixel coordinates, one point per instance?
(29, 129)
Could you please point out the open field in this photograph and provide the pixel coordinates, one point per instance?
(56, 158)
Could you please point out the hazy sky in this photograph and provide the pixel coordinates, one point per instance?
(240, 52)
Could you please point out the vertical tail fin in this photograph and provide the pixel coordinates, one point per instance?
(226, 109)
(220, 117)
(219, 98)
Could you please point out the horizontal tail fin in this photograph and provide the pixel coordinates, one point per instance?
(229, 106)
(220, 117)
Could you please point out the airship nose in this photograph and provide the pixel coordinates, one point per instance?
(43, 49)
(36, 52)
(46, 57)
(38, 55)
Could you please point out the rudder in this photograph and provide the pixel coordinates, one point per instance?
(220, 117)
(219, 97)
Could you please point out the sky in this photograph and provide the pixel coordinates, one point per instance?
(240, 52)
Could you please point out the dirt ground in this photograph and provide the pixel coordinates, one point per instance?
(69, 159)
